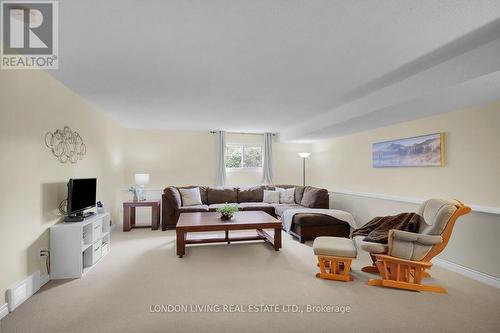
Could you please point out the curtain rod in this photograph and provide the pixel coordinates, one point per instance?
(243, 133)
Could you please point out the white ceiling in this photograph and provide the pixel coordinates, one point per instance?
(308, 69)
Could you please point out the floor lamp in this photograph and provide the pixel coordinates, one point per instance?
(304, 156)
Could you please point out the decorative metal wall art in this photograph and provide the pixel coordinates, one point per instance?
(66, 145)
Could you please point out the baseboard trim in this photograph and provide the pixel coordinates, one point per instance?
(417, 201)
(470, 273)
(43, 280)
(21, 291)
(4, 310)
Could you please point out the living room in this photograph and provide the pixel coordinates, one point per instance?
(230, 104)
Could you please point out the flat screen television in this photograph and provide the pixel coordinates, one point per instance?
(81, 195)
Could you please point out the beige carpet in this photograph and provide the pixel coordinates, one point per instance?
(142, 269)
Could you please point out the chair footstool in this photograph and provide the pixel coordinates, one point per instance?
(335, 256)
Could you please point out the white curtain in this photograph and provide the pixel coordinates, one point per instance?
(267, 166)
(220, 177)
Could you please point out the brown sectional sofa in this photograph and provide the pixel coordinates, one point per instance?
(304, 226)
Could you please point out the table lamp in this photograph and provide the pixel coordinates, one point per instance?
(141, 179)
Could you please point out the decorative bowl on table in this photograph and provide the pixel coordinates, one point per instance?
(227, 211)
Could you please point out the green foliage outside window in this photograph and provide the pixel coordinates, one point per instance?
(239, 156)
(234, 156)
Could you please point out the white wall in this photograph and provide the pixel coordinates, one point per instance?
(471, 171)
(188, 158)
(33, 180)
(471, 174)
(170, 157)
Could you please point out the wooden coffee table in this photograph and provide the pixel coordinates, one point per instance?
(210, 221)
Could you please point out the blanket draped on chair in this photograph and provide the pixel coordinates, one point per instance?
(377, 230)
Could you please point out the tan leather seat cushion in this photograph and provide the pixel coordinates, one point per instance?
(335, 247)
(436, 213)
(369, 246)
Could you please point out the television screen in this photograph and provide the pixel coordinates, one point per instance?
(81, 194)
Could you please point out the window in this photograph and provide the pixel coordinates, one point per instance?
(243, 156)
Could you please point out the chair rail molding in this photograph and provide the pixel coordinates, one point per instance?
(417, 201)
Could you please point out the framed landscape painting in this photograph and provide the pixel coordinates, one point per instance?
(425, 150)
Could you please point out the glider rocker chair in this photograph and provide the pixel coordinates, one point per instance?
(409, 254)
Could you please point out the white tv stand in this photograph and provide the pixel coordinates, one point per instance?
(76, 247)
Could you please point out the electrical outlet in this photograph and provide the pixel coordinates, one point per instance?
(40, 252)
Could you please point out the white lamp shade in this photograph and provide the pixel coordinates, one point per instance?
(141, 178)
(304, 155)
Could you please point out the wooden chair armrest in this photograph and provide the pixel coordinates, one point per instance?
(402, 261)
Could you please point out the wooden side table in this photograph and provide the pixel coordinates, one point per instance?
(129, 214)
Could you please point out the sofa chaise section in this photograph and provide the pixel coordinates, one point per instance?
(308, 226)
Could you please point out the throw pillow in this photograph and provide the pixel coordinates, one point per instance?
(271, 196)
(190, 196)
(287, 195)
(314, 198)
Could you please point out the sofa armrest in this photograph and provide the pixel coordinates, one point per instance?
(171, 202)
(411, 246)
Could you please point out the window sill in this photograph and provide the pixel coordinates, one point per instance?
(249, 170)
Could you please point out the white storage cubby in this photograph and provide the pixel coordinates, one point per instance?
(75, 247)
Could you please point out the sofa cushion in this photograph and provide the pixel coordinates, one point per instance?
(213, 207)
(314, 197)
(218, 195)
(190, 196)
(193, 209)
(316, 220)
(251, 194)
(280, 208)
(271, 196)
(253, 206)
(203, 192)
(299, 193)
